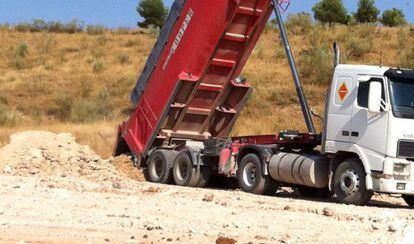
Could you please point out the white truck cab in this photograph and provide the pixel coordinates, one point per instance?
(369, 127)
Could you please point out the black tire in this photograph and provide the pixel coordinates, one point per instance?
(349, 183)
(159, 166)
(204, 177)
(409, 200)
(251, 178)
(311, 192)
(184, 171)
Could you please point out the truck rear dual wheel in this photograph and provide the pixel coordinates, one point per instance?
(185, 173)
(251, 178)
(349, 183)
(159, 166)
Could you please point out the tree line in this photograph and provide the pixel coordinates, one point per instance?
(154, 13)
(334, 11)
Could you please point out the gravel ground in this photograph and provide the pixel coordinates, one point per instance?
(65, 193)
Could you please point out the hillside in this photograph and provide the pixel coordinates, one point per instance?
(80, 83)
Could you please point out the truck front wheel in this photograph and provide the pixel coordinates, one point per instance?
(349, 183)
(159, 166)
(251, 178)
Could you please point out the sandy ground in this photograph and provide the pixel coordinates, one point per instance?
(67, 207)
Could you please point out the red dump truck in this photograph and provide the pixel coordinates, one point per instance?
(190, 94)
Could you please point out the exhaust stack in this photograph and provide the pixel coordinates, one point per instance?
(337, 51)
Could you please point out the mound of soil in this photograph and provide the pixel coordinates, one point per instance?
(48, 154)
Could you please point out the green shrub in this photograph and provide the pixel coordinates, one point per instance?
(98, 65)
(366, 31)
(122, 31)
(258, 52)
(5, 27)
(123, 58)
(55, 26)
(18, 60)
(283, 96)
(23, 27)
(407, 58)
(95, 29)
(64, 103)
(7, 116)
(72, 27)
(316, 64)
(84, 111)
(49, 66)
(153, 31)
(3, 99)
(45, 44)
(300, 23)
(405, 52)
(71, 49)
(103, 100)
(39, 25)
(101, 40)
(358, 47)
(131, 43)
(280, 53)
(22, 50)
(122, 86)
(18, 63)
(86, 89)
(90, 110)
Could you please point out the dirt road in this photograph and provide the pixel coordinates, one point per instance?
(63, 207)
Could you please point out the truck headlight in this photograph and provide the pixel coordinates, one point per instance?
(399, 167)
(401, 170)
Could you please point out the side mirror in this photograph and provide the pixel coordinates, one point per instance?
(374, 99)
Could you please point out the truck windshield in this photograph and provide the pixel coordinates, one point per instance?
(402, 97)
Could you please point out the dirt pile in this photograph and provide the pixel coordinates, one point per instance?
(36, 153)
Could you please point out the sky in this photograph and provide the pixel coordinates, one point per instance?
(122, 13)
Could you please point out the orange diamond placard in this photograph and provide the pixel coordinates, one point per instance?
(343, 91)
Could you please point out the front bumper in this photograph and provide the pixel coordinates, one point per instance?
(397, 177)
(393, 186)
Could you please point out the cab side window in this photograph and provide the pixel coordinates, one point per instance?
(363, 92)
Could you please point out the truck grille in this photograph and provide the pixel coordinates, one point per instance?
(406, 149)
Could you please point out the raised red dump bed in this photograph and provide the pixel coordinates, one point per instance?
(189, 88)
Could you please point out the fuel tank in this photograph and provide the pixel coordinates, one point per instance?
(301, 169)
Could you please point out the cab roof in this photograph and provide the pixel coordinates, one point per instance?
(362, 69)
(405, 74)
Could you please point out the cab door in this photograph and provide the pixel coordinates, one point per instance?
(338, 123)
(369, 130)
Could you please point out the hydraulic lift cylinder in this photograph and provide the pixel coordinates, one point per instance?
(302, 99)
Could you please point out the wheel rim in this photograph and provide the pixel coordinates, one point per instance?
(249, 174)
(349, 182)
(182, 170)
(157, 168)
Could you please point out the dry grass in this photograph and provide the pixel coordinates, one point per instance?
(50, 81)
